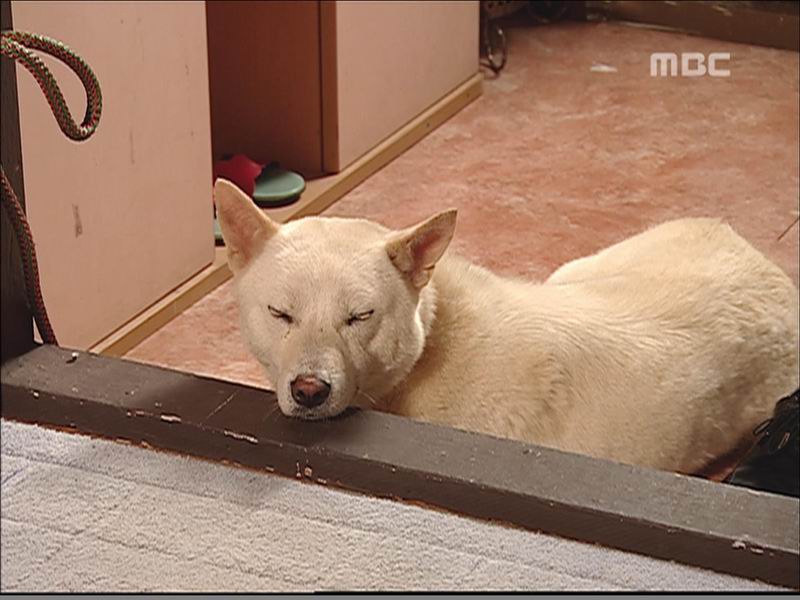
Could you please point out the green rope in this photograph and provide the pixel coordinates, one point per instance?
(19, 46)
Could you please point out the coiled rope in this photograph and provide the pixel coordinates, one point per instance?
(20, 46)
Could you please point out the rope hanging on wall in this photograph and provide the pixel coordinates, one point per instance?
(19, 46)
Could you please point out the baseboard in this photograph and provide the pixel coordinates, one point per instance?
(758, 23)
(319, 195)
(153, 318)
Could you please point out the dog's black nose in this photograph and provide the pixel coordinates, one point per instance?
(310, 391)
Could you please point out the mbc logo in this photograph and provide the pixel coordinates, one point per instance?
(692, 64)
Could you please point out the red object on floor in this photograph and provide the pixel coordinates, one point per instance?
(240, 170)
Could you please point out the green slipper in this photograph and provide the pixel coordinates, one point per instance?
(276, 187)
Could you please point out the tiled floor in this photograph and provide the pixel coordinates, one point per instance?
(558, 160)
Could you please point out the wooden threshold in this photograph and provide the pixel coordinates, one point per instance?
(319, 194)
(664, 515)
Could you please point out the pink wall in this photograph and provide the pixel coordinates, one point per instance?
(125, 217)
(394, 60)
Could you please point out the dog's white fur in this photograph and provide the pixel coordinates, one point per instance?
(664, 350)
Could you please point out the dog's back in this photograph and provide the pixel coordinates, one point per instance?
(664, 350)
(722, 323)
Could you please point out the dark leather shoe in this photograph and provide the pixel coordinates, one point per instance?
(773, 463)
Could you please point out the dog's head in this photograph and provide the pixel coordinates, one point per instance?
(336, 310)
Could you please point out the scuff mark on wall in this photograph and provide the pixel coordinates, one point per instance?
(76, 217)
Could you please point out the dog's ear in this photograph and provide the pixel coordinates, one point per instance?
(416, 250)
(245, 227)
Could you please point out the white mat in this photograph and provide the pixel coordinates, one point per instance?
(88, 515)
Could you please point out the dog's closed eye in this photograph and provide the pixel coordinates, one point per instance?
(359, 316)
(279, 314)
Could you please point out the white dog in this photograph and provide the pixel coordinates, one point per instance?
(664, 350)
